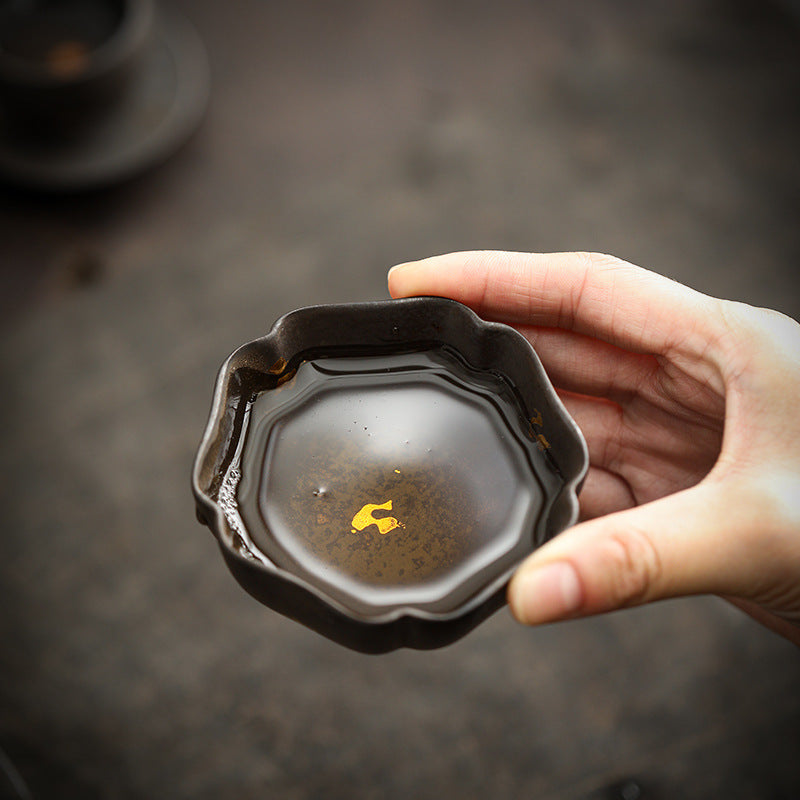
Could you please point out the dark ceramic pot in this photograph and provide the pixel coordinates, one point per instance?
(64, 65)
(93, 92)
(417, 400)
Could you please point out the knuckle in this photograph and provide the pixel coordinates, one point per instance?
(779, 503)
(601, 262)
(760, 329)
(608, 261)
(759, 351)
(633, 567)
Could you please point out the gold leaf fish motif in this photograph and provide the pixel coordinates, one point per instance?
(365, 517)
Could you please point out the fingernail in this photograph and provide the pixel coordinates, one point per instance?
(546, 594)
(396, 266)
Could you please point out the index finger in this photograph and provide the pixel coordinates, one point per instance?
(590, 293)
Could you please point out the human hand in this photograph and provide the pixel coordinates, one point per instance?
(688, 407)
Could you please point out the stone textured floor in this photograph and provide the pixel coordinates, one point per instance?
(342, 138)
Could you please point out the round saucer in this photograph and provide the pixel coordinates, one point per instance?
(162, 106)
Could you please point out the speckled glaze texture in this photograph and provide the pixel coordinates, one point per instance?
(383, 608)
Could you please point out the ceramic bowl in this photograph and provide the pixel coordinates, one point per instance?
(376, 471)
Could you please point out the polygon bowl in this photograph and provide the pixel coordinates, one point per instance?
(376, 471)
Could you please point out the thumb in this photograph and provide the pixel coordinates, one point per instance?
(686, 543)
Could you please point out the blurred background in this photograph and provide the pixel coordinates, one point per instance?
(341, 138)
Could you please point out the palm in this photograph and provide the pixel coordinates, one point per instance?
(652, 430)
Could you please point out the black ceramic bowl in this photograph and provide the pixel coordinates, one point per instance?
(376, 471)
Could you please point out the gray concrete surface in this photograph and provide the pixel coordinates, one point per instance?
(342, 138)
